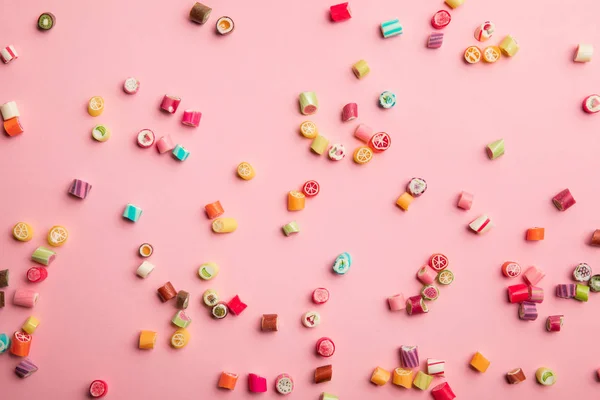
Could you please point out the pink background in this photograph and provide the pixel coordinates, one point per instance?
(92, 306)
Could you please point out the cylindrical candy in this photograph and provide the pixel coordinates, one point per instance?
(403, 377)
(214, 210)
(404, 200)
(183, 299)
(397, 302)
(528, 311)
(511, 269)
(320, 296)
(147, 340)
(167, 292)
(80, 189)
(319, 144)
(200, 13)
(536, 294)
(324, 373)
(9, 110)
(363, 132)
(290, 228)
(8, 53)
(454, 3)
(595, 241)
(25, 298)
(594, 283)
(311, 319)
(422, 380)
(391, 28)
(441, 19)
(95, 106)
(5, 342)
(145, 138)
(495, 149)
(545, 376)
(445, 277)
(342, 263)
(246, 171)
(180, 338)
(535, 234)
(563, 200)
(565, 291)
(361, 69)
(380, 142)
(208, 270)
(311, 188)
(191, 118)
(481, 225)
(515, 376)
(308, 103)
(350, 112)
(362, 155)
(4, 274)
(472, 55)
(284, 384)
(257, 384)
(533, 275)
(325, 347)
(582, 272)
(25, 368)
(21, 343)
(210, 297)
(131, 85)
(30, 325)
(101, 133)
(170, 103)
(98, 388)
(340, 12)
(57, 236)
(165, 144)
(225, 25)
(46, 21)
(415, 305)
(435, 40)
(485, 31)
(180, 153)
(13, 127)
(219, 311)
(181, 319)
(22, 231)
(309, 130)
(227, 380)
(509, 46)
(380, 376)
(518, 293)
(387, 99)
(36, 274)
(409, 356)
(416, 187)
(591, 104)
(224, 225)
(554, 323)
(442, 392)
(584, 53)
(582, 292)
(269, 323)
(426, 274)
(465, 200)
(145, 250)
(430, 292)
(435, 367)
(296, 200)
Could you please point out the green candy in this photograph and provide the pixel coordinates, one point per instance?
(46, 21)
(495, 149)
(582, 292)
(595, 283)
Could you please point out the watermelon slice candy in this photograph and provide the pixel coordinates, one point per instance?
(98, 389)
(430, 292)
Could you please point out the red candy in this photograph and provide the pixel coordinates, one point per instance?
(518, 293)
(441, 19)
(438, 261)
(320, 296)
(443, 392)
(98, 389)
(311, 188)
(236, 306)
(563, 200)
(511, 269)
(350, 112)
(340, 12)
(325, 347)
(380, 142)
(37, 274)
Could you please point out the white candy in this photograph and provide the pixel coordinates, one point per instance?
(584, 53)
(9, 110)
(144, 269)
(481, 224)
(435, 367)
(311, 319)
(131, 85)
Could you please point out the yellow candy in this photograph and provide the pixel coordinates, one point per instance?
(208, 270)
(479, 362)
(296, 200)
(30, 325)
(403, 377)
(23, 232)
(319, 144)
(380, 376)
(57, 236)
(404, 201)
(454, 3)
(96, 106)
(147, 340)
(422, 380)
(224, 225)
(361, 69)
(309, 130)
(363, 155)
(509, 46)
(246, 171)
(491, 54)
(180, 338)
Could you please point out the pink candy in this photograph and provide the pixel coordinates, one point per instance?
(465, 200)
(170, 103)
(191, 118)
(320, 296)
(257, 384)
(25, 298)
(364, 133)
(426, 275)
(397, 302)
(165, 144)
(350, 112)
(533, 275)
(325, 347)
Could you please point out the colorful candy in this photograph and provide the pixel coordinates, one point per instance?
(323, 374)
(430, 292)
(4, 274)
(336, 152)
(472, 55)
(308, 103)
(309, 130)
(445, 277)
(485, 31)
(210, 297)
(46, 21)
(515, 376)
(320, 296)
(30, 325)
(454, 3)
(438, 262)
(535, 234)
(397, 302)
(25, 298)
(403, 377)
(533, 275)
(80, 188)
(545, 376)
(225, 25)
(101, 133)
(208, 270)
(43, 256)
(131, 85)
(363, 132)
(582, 292)
(132, 212)
(181, 319)
(328, 396)
(536, 294)
(582, 272)
(170, 103)
(13, 127)
(296, 201)
(595, 241)
(224, 225)
(380, 142)
(495, 149)
(290, 228)
(435, 367)
(426, 274)
(319, 144)
(342, 263)
(415, 305)
(36, 274)
(509, 46)
(182, 300)
(311, 319)
(340, 12)
(594, 283)
(591, 104)
(565, 291)
(404, 201)
(518, 293)
(380, 376)
(349, 112)
(9, 110)
(180, 338)
(5, 342)
(8, 54)
(227, 380)
(563, 200)
(511, 269)
(554, 323)
(311, 188)
(166, 292)
(165, 144)
(435, 40)
(181, 153)
(257, 384)
(491, 54)
(214, 210)
(20, 344)
(236, 305)
(25, 368)
(387, 100)
(362, 155)
(422, 380)
(219, 311)
(98, 388)
(528, 311)
(481, 225)
(200, 13)
(443, 392)
(147, 340)
(146, 138)
(95, 106)
(269, 323)
(409, 356)
(391, 28)
(361, 69)
(246, 171)
(325, 347)
(284, 384)
(22, 231)
(57, 236)
(441, 19)
(479, 362)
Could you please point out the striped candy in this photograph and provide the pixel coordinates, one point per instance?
(565, 291)
(25, 368)
(391, 28)
(180, 153)
(80, 188)
(435, 367)
(528, 311)
(409, 356)
(435, 40)
(132, 213)
(8, 54)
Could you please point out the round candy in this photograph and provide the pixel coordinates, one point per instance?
(245, 171)
(57, 236)
(336, 152)
(95, 106)
(208, 270)
(438, 261)
(325, 347)
(145, 138)
(311, 319)
(594, 283)
(98, 389)
(430, 292)
(131, 85)
(380, 142)
(362, 155)
(308, 129)
(485, 31)
(23, 232)
(440, 19)
(101, 133)
(591, 104)
(491, 54)
(472, 55)
(146, 250)
(37, 274)
(210, 297)
(545, 376)
(445, 277)
(180, 338)
(582, 272)
(220, 311)
(511, 269)
(46, 21)
(416, 187)
(387, 99)
(311, 188)
(284, 384)
(224, 25)
(342, 263)
(320, 296)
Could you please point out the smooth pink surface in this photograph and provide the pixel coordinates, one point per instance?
(92, 306)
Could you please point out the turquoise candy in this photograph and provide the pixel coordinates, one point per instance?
(180, 153)
(132, 213)
(4, 342)
(342, 263)
(387, 99)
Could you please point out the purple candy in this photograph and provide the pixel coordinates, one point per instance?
(80, 188)
(565, 291)
(409, 355)
(528, 311)
(25, 368)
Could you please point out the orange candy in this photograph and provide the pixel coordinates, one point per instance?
(228, 380)
(535, 234)
(472, 55)
(214, 210)
(296, 201)
(13, 127)
(491, 54)
(21, 344)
